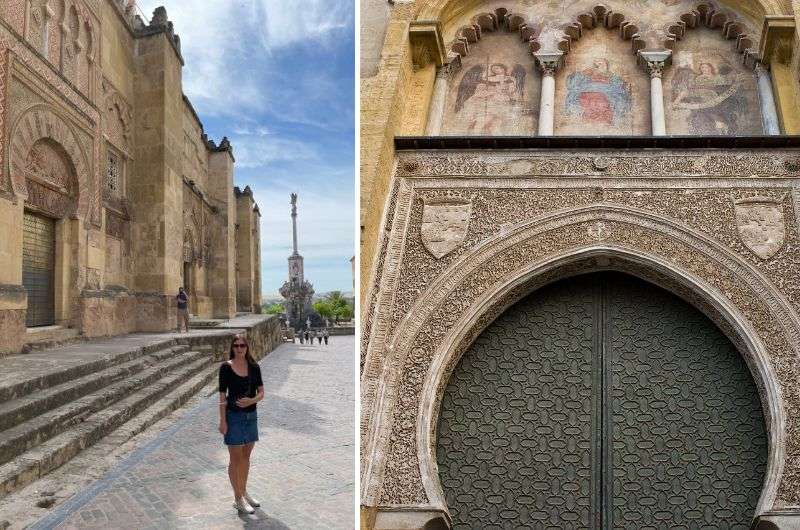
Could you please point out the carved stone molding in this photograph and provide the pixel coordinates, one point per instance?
(669, 219)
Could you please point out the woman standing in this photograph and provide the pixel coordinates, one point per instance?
(240, 388)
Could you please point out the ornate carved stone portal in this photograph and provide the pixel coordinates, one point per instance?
(468, 233)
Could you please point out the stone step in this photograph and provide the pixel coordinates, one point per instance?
(151, 402)
(48, 337)
(57, 377)
(33, 432)
(21, 409)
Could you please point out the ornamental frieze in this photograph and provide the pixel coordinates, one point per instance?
(695, 164)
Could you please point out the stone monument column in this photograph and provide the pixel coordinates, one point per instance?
(549, 63)
(438, 100)
(769, 112)
(654, 63)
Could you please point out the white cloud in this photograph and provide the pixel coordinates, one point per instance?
(259, 151)
(287, 22)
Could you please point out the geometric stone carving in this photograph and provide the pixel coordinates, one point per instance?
(444, 225)
(761, 225)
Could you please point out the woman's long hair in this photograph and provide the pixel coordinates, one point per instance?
(247, 355)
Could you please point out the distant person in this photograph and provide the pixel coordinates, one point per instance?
(240, 388)
(319, 336)
(183, 309)
(307, 335)
(313, 336)
(301, 336)
(326, 334)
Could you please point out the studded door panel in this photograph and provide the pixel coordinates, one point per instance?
(598, 402)
(38, 264)
(515, 427)
(689, 442)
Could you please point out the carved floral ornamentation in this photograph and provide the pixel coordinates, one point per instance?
(529, 210)
(45, 151)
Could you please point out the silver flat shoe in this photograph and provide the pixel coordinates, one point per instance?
(243, 507)
(251, 501)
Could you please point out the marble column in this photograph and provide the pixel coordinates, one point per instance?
(436, 109)
(549, 63)
(654, 63)
(769, 113)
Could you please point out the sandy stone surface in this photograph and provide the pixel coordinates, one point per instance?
(174, 476)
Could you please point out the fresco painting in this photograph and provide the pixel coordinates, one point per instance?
(496, 91)
(598, 96)
(601, 90)
(709, 91)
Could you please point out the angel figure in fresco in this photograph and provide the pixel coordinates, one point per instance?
(598, 96)
(711, 95)
(489, 99)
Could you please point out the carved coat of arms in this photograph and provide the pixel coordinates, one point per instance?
(761, 225)
(444, 224)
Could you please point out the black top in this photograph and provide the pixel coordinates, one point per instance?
(237, 386)
(183, 300)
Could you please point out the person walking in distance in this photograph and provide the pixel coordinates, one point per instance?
(183, 309)
(301, 336)
(313, 336)
(240, 388)
(307, 334)
(319, 336)
(326, 334)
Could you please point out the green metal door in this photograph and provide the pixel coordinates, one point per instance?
(38, 265)
(601, 402)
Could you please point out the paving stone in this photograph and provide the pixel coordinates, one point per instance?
(302, 469)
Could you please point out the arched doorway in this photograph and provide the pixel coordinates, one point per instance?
(51, 187)
(601, 401)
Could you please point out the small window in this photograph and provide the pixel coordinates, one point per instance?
(114, 173)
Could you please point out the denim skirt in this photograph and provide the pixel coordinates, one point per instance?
(242, 427)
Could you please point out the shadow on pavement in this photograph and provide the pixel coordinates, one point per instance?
(260, 519)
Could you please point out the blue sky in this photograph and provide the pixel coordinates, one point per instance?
(276, 77)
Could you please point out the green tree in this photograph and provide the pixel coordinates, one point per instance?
(274, 309)
(324, 308)
(337, 307)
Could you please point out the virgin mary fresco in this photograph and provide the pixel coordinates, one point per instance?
(597, 96)
(713, 96)
(490, 99)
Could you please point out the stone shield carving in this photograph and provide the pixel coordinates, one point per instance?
(444, 225)
(761, 225)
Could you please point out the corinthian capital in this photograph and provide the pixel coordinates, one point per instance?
(549, 62)
(654, 61)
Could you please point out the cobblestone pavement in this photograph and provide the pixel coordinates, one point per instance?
(302, 468)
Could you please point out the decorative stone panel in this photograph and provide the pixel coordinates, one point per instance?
(669, 217)
(42, 123)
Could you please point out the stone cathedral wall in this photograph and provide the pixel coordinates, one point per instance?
(96, 133)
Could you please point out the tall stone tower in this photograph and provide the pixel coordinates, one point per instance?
(296, 290)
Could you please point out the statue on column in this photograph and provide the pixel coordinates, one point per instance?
(297, 290)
